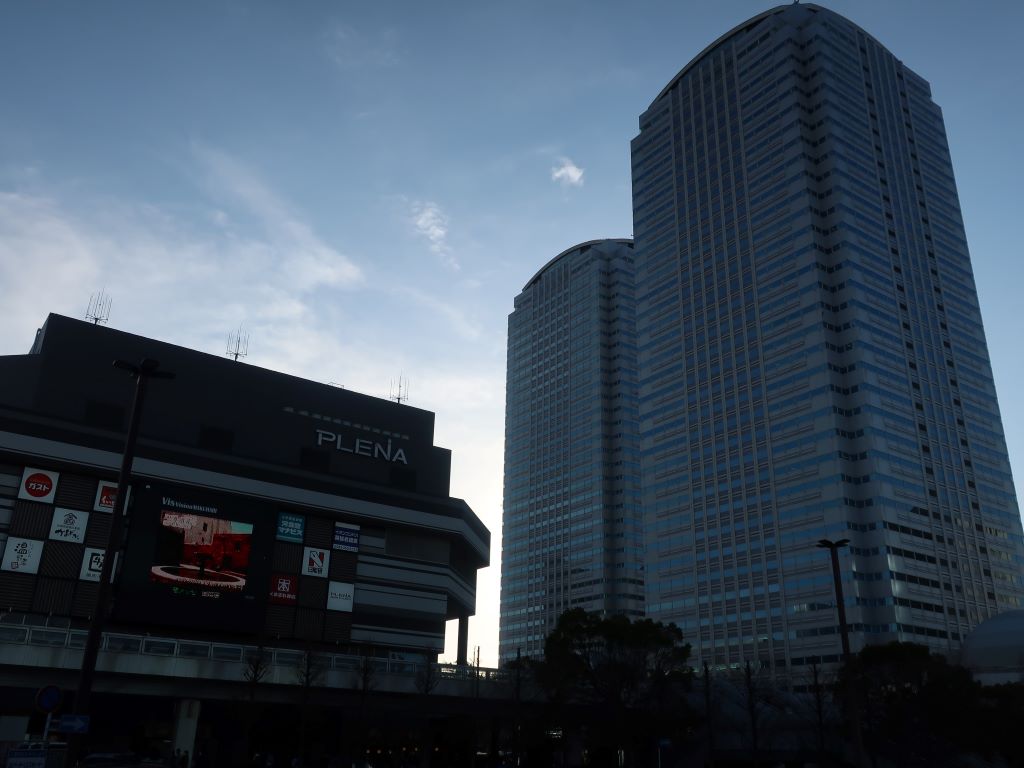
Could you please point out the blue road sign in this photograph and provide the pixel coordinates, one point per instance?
(48, 698)
(72, 724)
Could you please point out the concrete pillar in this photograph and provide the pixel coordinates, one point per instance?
(186, 720)
(463, 657)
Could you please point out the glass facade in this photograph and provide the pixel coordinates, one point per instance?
(571, 534)
(811, 357)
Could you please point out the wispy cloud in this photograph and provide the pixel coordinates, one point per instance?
(244, 255)
(351, 49)
(308, 261)
(567, 173)
(466, 328)
(431, 222)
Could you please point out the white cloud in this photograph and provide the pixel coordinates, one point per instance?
(189, 278)
(432, 223)
(466, 328)
(567, 173)
(307, 260)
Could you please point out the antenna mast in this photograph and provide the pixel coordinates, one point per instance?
(99, 308)
(399, 393)
(238, 344)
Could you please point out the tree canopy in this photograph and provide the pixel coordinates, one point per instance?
(629, 677)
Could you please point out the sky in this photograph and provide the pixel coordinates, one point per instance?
(364, 187)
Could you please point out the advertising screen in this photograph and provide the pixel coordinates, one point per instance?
(196, 558)
(201, 556)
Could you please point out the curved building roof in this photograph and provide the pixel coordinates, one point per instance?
(587, 244)
(795, 11)
(996, 644)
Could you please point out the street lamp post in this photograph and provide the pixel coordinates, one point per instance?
(145, 370)
(844, 630)
(853, 691)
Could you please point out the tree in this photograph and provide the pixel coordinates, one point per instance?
(254, 670)
(257, 666)
(310, 672)
(427, 677)
(915, 707)
(365, 675)
(630, 676)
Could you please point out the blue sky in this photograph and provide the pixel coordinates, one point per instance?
(365, 186)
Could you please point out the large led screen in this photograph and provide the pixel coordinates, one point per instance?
(201, 556)
(196, 558)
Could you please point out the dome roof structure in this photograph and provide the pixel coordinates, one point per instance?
(994, 650)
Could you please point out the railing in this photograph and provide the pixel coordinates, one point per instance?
(13, 631)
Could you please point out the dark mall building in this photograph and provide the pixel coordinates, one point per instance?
(265, 511)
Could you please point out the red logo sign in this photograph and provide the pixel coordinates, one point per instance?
(108, 495)
(38, 485)
(284, 589)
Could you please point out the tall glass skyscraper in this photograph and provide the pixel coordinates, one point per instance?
(811, 357)
(571, 533)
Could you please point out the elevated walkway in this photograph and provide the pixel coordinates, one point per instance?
(147, 663)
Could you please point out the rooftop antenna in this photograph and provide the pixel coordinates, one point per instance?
(99, 308)
(238, 344)
(399, 393)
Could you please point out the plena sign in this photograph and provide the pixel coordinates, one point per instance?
(360, 446)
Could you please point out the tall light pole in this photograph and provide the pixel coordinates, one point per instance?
(844, 631)
(854, 707)
(146, 369)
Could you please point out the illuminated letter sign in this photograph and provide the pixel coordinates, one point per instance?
(361, 446)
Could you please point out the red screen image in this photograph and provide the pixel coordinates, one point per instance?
(201, 554)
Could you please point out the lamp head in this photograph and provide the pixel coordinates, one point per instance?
(828, 544)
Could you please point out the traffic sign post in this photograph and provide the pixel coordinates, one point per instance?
(48, 700)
